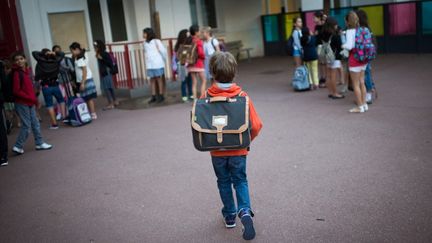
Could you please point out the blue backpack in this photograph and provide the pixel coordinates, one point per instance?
(300, 81)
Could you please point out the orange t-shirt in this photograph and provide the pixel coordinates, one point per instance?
(255, 120)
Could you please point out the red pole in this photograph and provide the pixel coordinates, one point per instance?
(128, 67)
(171, 49)
(114, 76)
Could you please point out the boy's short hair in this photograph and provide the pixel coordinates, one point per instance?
(17, 54)
(223, 67)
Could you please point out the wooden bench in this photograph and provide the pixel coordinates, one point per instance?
(236, 48)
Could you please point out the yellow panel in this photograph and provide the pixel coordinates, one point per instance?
(275, 6)
(289, 23)
(376, 19)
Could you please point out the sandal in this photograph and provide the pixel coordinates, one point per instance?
(357, 110)
(337, 97)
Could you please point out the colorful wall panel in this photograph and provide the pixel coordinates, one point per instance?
(289, 24)
(339, 15)
(271, 28)
(426, 15)
(376, 19)
(309, 18)
(402, 19)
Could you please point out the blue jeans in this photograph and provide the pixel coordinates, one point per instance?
(370, 85)
(231, 171)
(52, 91)
(3, 134)
(29, 121)
(186, 86)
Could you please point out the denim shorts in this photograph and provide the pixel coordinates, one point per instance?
(52, 91)
(296, 53)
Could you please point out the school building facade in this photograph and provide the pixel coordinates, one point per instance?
(262, 25)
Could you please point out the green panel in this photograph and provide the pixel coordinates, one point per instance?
(376, 19)
(271, 28)
(426, 14)
(339, 15)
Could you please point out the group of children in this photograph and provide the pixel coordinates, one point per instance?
(310, 49)
(58, 77)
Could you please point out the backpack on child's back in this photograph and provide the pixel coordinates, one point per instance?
(188, 53)
(364, 48)
(221, 123)
(326, 54)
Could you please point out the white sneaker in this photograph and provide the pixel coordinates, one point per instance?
(18, 150)
(359, 109)
(44, 146)
(369, 98)
(365, 107)
(59, 116)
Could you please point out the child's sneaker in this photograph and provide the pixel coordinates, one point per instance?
(369, 99)
(44, 146)
(185, 99)
(54, 127)
(18, 151)
(248, 228)
(4, 162)
(230, 221)
(59, 117)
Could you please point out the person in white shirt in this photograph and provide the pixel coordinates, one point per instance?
(84, 77)
(211, 45)
(155, 55)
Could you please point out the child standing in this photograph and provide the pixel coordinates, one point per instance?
(84, 77)
(155, 56)
(319, 20)
(197, 69)
(211, 45)
(105, 65)
(184, 76)
(310, 56)
(25, 102)
(297, 47)
(330, 35)
(230, 166)
(356, 68)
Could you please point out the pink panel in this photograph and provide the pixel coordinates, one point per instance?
(310, 21)
(402, 19)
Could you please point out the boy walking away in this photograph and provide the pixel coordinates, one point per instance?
(3, 129)
(25, 102)
(47, 70)
(234, 124)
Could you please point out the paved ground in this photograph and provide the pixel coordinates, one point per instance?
(316, 173)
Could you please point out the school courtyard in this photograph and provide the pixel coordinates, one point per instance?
(316, 173)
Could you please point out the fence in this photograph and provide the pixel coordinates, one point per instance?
(401, 27)
(131, 63)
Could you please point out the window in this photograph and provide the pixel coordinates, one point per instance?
(68, 27)
(203, 12)
(271, 28)
(96, 20)
(117, 20)
(426, 13)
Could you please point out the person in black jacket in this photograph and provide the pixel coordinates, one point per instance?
(330, 34)
(3, 130)
(47, 72)
(106, 67)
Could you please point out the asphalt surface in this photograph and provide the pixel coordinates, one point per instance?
(316, 173)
